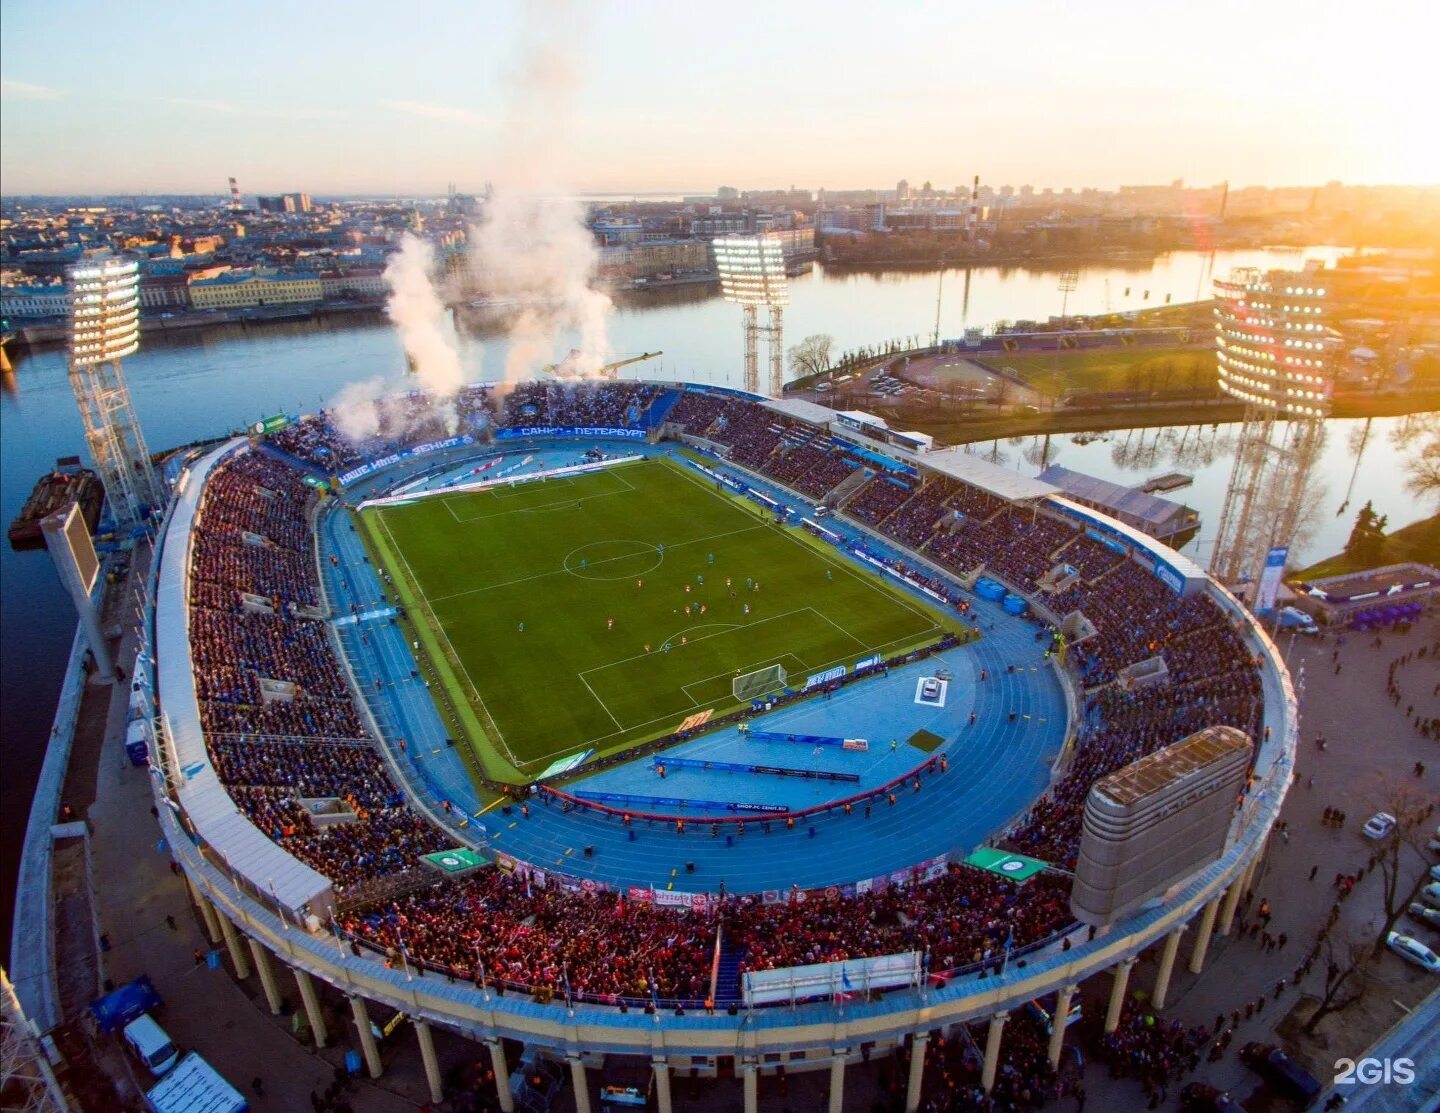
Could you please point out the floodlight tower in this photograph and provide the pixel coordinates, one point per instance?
(752, 274)
(104, 328)
(1272, 351)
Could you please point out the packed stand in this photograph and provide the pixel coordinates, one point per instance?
(612, 404)
(879, 498)
(279, 720)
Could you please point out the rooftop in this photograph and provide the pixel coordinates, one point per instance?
(1158, 771)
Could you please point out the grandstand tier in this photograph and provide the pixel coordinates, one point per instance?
(298, 746)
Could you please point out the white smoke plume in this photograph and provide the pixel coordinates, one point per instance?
(533, 245)
(423, 323)
(354, 409)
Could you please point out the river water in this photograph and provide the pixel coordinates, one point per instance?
(190, 386)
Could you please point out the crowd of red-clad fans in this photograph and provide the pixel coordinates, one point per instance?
(283, 729)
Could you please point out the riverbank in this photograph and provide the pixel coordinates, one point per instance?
(1419, 542)
(969, 428)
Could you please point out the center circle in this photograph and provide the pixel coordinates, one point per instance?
(613, 560)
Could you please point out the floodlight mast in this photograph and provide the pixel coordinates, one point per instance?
(752, 274)
(104, 328)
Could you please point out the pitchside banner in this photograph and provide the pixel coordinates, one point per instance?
(1270, 579)
(361, 471)
(570, 431)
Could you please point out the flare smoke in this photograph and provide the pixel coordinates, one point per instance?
(534, 245)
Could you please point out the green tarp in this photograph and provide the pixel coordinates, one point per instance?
(1017, 867)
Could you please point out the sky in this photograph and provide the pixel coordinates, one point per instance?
(388, 98)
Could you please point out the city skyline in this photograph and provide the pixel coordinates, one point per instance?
(655, 100)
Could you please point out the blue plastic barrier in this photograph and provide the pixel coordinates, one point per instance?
(740, 767)
(678, 802)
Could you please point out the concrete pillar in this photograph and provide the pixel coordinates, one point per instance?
(1117, 994)
(367, 1037)
(1202, 937)
(992, 1051)
(1058, 1021)
(427, 1056)
(207, 912)
(750, 1082)
(917, 1071)
(267, 976)
(580, 1083)
(232, 944)
(1232, 901)
(312, 1007)
(662, 1084)
(837, 1081)
(1167, 966)
(502, 1075)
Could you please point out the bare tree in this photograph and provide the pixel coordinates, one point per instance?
(1424, 479)
(811, 356)
(1348, 965)
(1401, 851)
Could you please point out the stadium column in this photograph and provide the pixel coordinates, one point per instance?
(267, 976)
(1117, 994)
(1167, 966)
(837, 1081)
(312, 1006)
(207, 912)
(750, 1083)
(1202, 938)
(1059, 1020)
(367, 1036)
(427, 1056)
(661, 1067)
(580, 1083)
(992, 1051)
(1232, 901)
(917, 1071)
(232, 944)
(502, 1075)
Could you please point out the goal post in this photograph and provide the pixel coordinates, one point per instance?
(752, 685)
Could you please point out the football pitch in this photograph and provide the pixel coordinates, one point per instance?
(601, 610)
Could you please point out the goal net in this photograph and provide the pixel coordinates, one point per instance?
(761, 682)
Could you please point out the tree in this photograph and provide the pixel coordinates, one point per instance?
(1367, 539)
(1348, 965)
(1401, 851)
(1424, 469)
(811, 356)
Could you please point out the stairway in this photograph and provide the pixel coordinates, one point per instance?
(727, 984)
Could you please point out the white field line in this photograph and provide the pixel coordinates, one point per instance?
(607, 560)
(439, 628)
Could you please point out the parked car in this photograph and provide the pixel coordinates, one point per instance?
(930, 688)
(1428, 916)
(1281, 1073)
(1201, 1097)
(1379, 825)
(1431, 894)
(1435, 873)
(1435, 842)
(1413, 951)
(151, 1045)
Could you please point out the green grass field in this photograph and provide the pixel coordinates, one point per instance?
(563, 557)
(1111, 369)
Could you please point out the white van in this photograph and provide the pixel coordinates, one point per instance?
(151, 1045)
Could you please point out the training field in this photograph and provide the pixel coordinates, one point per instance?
(518, 587)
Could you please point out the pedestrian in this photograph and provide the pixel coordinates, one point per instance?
(1313, 871)
(171, 924)
(199, 956)
(1281, 940)
(1279, 988)
(258, 1085)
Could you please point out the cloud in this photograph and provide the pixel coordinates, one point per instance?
(219, 106)
(11, 89)
(445, 112)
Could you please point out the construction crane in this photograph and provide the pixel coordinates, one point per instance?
(567, 365)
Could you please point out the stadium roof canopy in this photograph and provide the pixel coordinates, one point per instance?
(216, 819)
(1003, 483)
(801, 410)
(1134, 505)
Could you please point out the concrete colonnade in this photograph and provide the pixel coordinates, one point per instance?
(1117, 993)
(917, 1071)
(1167, 966)
(992, 1050)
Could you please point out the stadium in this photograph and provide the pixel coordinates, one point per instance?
(676, 725)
